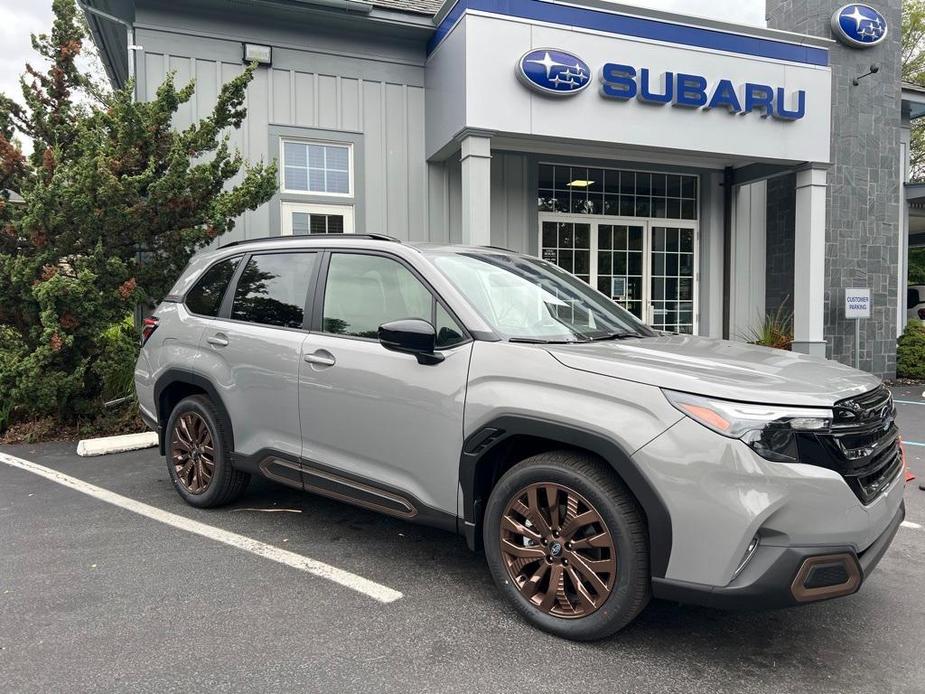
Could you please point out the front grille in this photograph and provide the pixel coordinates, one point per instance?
(862, 444)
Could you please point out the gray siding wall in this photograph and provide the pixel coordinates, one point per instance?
(514, 218)
(315, 83)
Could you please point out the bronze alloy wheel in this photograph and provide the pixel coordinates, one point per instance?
(557, 550)
(192, 452)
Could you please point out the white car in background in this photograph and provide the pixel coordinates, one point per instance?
(916, 303)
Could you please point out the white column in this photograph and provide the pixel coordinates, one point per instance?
(476, 190)
(809, 262)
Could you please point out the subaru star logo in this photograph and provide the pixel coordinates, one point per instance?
(550, 71)
(859, 25)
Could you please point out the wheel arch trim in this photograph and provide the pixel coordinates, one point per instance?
(173, 376)
(495, 432)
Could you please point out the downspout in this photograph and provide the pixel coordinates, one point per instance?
(728, 186)
(129, 34)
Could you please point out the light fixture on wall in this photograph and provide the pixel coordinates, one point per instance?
(255, 53)
(874, 69)
(580, 183)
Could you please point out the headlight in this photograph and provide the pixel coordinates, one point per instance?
(768, 429)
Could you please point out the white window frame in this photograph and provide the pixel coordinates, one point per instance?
(324, 143)
(287, 208)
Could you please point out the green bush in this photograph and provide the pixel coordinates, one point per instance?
(774, 330)
(115, 366)
(115, 200)
(910, 352)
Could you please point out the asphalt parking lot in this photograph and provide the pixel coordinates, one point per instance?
(96, 597)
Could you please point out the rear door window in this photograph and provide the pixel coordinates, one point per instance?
(273, 289)
(914, 298)
(205, 298)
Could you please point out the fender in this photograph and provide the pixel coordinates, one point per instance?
(173, 376)
(494, 433)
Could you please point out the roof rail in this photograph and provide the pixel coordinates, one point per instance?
(373, 237)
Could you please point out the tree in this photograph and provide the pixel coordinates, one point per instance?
(912, 57)
(116, 201)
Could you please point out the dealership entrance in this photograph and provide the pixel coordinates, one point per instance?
(631, 234)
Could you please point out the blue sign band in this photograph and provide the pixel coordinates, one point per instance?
(641, 27)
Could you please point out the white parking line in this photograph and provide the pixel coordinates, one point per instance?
(910, 524)
(909, 402)
(374, 590)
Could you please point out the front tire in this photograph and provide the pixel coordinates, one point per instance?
(198, 459)
(567, 544)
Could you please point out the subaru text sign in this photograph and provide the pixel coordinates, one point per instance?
(555, 72)
(857, 303)
(624, 82)
(859, 25)
(559, 73)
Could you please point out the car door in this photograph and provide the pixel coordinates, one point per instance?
(387, 426)
(254, 349)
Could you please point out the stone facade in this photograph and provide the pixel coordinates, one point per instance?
(864, 194)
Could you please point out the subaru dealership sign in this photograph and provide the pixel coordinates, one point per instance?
(560, 73)
(694, 91)
(859, 25)
(554, 72)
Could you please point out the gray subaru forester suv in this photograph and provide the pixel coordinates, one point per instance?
(596, 461)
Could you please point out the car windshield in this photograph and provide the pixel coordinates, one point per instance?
(530, 300)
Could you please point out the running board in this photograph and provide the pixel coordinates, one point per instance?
(335, 486)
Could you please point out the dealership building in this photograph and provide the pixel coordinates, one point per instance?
(701, 173)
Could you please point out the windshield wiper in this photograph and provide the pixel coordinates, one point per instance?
(616, 335)
(541, 341)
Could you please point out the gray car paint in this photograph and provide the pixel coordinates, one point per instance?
(720, 369)
(384, 416)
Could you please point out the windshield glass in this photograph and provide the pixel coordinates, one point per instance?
(528, 299)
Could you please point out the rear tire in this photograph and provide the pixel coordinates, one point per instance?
(198, 459)
(564, 519)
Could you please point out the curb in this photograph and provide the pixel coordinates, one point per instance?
(116, 444)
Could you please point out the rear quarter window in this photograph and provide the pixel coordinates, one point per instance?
(205, 298)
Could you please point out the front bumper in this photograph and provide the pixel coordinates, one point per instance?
(787, 576)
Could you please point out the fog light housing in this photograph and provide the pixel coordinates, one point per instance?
(747, 557)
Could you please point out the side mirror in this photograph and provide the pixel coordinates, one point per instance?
(411, 336)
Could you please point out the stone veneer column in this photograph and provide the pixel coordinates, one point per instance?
(864, 194)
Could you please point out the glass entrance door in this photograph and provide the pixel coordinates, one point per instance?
(672, 279)
(646, 266)
(621, 265)
(568, 245)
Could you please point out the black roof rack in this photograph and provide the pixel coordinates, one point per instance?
(373, 237)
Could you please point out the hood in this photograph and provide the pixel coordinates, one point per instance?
(719, 369)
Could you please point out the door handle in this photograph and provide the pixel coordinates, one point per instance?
(320, 358)
(217, 340)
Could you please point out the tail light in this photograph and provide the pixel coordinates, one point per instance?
(921, 313)
(148, 326)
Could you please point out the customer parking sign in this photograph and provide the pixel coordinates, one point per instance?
(857, 303)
